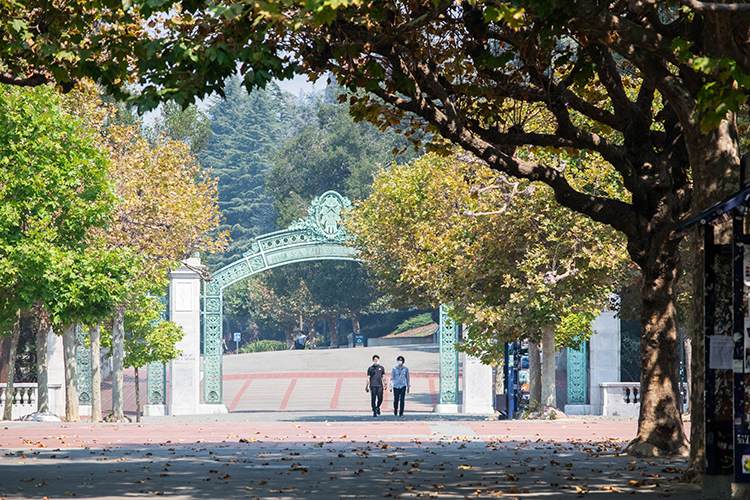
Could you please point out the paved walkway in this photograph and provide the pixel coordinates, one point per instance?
(321, 380)
(300, 429)
(346, 456)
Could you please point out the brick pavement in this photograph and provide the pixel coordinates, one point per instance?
(428, 456)
(321, 391)
(300, 428)
(297, 381)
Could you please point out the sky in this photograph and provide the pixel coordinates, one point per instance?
(300, 82)
(293, 86)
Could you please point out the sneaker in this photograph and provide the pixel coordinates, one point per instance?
(374, 414)
(378, 410)
(395, 413)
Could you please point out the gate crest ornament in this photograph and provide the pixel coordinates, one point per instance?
(324, 217)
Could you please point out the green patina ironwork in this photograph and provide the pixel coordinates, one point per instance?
(319, 236)
(83, 368)
(156, 373)
(577, 379)
(448, 359)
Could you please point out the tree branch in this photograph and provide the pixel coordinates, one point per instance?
(32, 81)
(610, 78)
(714, 7)
(617, 214)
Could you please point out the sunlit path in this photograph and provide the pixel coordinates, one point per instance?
(321, 380)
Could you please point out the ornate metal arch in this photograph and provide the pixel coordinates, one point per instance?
(319, 236)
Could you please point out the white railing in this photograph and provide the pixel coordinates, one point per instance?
(25, 398)
(623, 399)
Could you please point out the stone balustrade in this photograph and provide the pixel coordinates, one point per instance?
(623, 399)
(25, 398)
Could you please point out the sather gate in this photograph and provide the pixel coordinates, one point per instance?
(319, 236)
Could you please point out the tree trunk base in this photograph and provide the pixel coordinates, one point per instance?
(642, 449)
(692, 476)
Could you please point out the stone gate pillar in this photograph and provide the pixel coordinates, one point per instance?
(477, 386)
(185, 311)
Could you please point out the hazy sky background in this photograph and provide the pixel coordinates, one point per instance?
(300, 82)
(293, 86)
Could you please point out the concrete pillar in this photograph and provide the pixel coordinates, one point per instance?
(604, 357)
(184, 310)
(477, 385)
(56, 374)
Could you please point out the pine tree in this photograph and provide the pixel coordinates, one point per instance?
(245, 130)
(332, 152)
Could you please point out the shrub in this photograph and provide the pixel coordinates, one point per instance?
(413, 322)
(264, 346)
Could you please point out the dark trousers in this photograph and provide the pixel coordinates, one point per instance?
(376, 397)
(399, 395)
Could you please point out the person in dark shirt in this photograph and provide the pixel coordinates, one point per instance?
(376, 384)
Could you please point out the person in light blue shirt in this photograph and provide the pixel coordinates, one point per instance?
(400, 384)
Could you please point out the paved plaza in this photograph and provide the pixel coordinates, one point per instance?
(322, 380)
(310, 435)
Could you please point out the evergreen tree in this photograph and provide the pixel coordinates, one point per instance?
(245, 131)
(333, 152)
(189, 125)
(323, 149)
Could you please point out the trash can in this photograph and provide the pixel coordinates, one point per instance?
(359, 341)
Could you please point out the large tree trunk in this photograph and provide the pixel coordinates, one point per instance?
(4, 351)
(289, 334)
(499, 379)
(696, 463)
(118, 357)
(333, 331)
(687, 347)
(660, 429)
(535, 374)
(42, 332)
(15, 335)
(71, 392)
(715, 159)
(355, 321)
(549, 396)
(96, 374)
(137, 397)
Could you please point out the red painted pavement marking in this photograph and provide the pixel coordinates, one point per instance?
(288, 394)
(238, 397)
(245, 376)
(433, 394)
(335, 399)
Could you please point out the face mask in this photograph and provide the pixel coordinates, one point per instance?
(400, 363)
(376, 363)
